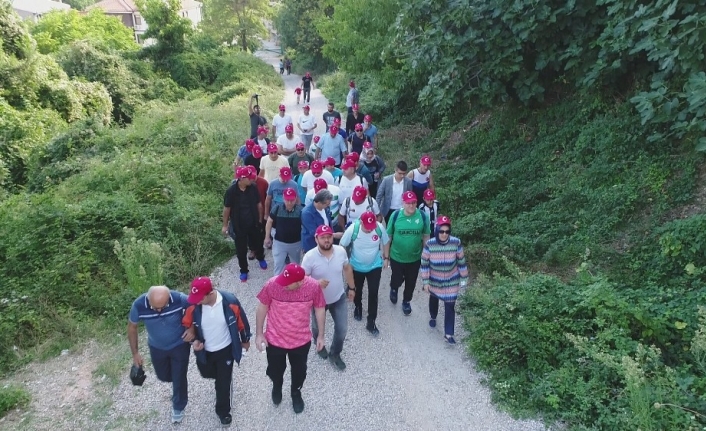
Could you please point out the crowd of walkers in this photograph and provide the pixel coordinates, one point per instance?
(324, 203)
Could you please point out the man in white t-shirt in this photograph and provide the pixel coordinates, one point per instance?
(316, 171)
(280, 121)
(349, 180)
(334, 206)
(306, 125)
(270, 165)
(328, 263)
(287, 143)
(357, 204)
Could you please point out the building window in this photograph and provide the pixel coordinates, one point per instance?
(138, 20)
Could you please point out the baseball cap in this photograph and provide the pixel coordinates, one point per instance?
(285, 173)
(200, 287)
(300, 146)
(303, 164)
(307, 107)
(292, 273)
(359, 194)
(271, 148)
(429, 194)
(330, 161)
(316, 167)
(368, 220)
(289, 194)
(324, 230)
(257, 151)
(425, 160)
(348, 164)
(442, 220)
(308, 74)
(355, 107)
(368, 118)
(249, 144)
(358, 127)
(351, 84)
(353, 156)
(253, 172)
(337, 121)
(317, 139)
(242, 172)
(320, 184)
(282, 108)
(289, 128)
(409, 197)
(262, 129)
(367, 146)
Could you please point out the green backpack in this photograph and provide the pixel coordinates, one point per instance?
(356, 229)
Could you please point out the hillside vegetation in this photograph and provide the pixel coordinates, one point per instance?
(566, 140)
(112, 165)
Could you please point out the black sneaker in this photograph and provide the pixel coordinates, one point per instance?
(373, 329)
(358, 313)
(406, 308)
(323, 353)
(226, 420)
(276, 394)
(337, 361)
(297, 402)
(393, 296)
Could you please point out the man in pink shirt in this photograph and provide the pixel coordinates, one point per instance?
(286, 302)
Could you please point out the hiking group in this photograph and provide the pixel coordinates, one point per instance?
(322, 202)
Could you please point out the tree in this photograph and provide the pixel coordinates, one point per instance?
(235, 21)
(296, 25)
(167, 27)
(80, 4)
(60, 28)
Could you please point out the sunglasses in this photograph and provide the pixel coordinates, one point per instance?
(444, 232)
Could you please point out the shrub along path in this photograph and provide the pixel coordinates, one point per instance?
(408, 378)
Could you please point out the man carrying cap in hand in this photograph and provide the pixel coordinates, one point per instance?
(286, 302)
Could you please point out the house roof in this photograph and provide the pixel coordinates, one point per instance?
(128, 6)
(38, 7)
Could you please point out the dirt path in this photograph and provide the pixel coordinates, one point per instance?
(408, 378)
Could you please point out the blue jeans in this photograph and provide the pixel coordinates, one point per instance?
(170, 366)
(339, 313)
(449, 313)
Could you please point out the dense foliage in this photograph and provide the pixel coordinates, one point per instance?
(235, 22)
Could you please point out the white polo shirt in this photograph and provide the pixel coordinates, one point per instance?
(279, 123)
(288, 144)
(319, 267)
(356, 210)
(308, 179)
(214, 326)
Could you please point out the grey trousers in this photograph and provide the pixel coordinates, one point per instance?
(280, 251)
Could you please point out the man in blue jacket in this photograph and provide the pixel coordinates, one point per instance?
(222, 331)
(315, 215)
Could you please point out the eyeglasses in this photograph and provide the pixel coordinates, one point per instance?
(444, 232)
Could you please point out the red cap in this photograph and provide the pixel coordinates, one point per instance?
(368, 220)
(253, 172)
(257, 151)
(355, 107)
(409, 197)
(242, 172)
(324, 230)
(429, 194)
(358, 127)
(320, 184)
(317, 139)
(308, 75)
(368, 146)
(336, 121)
(249, 144)
(316, 167)
(348, 164)
(289, 128)
(368, 118)
(333, 130)
(289, 194)
(292, 273)
(330, 161)
(282, 108)
(262, 129)
(425, 160)
(359, 194)
(353, 156)
(300, 146)
(303, 164)
(200, 287)
(351, 84)
(442, 220)
(271, 148)
(285, 173)
(307, 107)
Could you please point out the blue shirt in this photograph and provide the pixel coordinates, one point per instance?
(276, 189)
(371, 132)
(243, 152)
(337, 174)
(332, 147)
(365, 254)
(164, 328)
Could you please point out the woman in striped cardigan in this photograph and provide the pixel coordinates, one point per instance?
(444, 272)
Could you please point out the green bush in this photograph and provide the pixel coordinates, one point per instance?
(12, 397)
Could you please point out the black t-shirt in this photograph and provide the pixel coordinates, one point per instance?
(306, 82)
(329, 117)
(357, 143)
(250, 160)
(288, 224)
(255, 122)
(351, 121)
(243, 206)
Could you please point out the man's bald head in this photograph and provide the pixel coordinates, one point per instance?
(158, 296)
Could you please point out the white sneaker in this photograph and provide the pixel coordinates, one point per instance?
(177, 416)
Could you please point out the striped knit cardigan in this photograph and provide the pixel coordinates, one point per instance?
(444, 267)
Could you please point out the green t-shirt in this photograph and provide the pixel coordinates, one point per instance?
(406, 235)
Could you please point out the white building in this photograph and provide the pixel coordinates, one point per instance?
(127, 12)
(34, 9)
